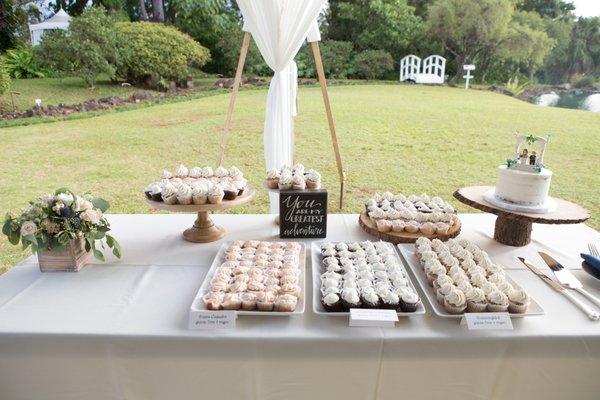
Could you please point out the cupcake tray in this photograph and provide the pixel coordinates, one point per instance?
(317, 270)
(415, 265)
(199, 306)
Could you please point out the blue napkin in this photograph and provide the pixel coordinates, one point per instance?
(592, 261)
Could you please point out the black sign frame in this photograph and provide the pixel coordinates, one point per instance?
(303, 214)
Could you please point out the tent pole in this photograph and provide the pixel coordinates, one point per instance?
(234, 93)
(336, 147)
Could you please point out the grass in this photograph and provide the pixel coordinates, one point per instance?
(53, 91)
(393, 137)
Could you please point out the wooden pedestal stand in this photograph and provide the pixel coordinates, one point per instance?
(514, 228)
(204, 229)
(322, 81)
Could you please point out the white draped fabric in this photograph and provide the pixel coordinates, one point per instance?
(279, 27)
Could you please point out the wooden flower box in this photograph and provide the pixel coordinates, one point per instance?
(71, 260)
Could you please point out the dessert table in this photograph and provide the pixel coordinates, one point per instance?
(119, 330)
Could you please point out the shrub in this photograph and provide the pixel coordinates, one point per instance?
(4, 78)
(150, 52)
(373, 64)
(338, 58)
(228, 49)
(580, 81)
(86, 50)
(20, 64)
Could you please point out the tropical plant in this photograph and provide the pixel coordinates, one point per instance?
(516, 88)
(53, 221)
(149, 52)
(373, 64)
(21, 64)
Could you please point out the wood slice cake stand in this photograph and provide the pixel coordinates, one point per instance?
(204, 229)
(514, 228)
(403, 237)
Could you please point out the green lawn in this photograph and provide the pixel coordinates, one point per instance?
(393, 137)
(53, 91)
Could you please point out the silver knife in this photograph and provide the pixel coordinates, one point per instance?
(591, 313)
(567, 278)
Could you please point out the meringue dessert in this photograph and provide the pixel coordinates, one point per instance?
(197, 185)
(364, 275)
(464, 278)
(256, 276)
(296, 178)
(412, 214)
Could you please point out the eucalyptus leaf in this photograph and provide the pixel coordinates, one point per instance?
(98, 254)
(100, 203)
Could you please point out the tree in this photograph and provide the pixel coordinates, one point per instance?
(553, 9)
(468, 28)
(526, 43)
(8, 25)
(158, 11)
(72, 7)
(373, 24)
(583, 56)
(89, 47)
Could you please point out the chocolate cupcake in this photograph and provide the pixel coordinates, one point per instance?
(154, 192)
(350, 299)
(390, 301)
(332, 303)
(369, 299)
(409, 301)
(230, 192)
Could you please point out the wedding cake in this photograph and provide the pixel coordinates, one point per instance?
(523, 182)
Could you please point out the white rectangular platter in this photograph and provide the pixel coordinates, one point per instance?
(407, 251)
(198, 304)
(317, 270)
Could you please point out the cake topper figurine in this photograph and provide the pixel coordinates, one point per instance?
(525, 160)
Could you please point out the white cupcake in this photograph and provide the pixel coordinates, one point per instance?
(184, 195)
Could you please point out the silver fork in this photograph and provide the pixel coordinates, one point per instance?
(593, 250)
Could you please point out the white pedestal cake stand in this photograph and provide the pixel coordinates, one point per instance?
(514, 228)
(204, 229)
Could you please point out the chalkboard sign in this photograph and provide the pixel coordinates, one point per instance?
(302, 214)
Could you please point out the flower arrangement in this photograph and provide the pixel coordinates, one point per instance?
(54, 221)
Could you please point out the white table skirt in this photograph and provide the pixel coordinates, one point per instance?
(119, 330)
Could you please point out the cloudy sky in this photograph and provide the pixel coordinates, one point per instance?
(587, 8)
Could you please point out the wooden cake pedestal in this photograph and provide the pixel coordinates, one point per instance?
(514, 228)
(204, 229)
(403, 237)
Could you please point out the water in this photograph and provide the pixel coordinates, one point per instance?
(576, 100)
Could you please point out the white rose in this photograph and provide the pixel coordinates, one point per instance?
(28, 228)
(82, 204)
(66, 198)
(91, 215)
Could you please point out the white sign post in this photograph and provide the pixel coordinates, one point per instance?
(468, 76)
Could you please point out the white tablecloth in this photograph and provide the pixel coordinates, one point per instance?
(119, 330)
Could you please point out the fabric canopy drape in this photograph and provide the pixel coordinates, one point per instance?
(279, 27)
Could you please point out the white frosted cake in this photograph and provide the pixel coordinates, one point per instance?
(523, 187)
(523, 182)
